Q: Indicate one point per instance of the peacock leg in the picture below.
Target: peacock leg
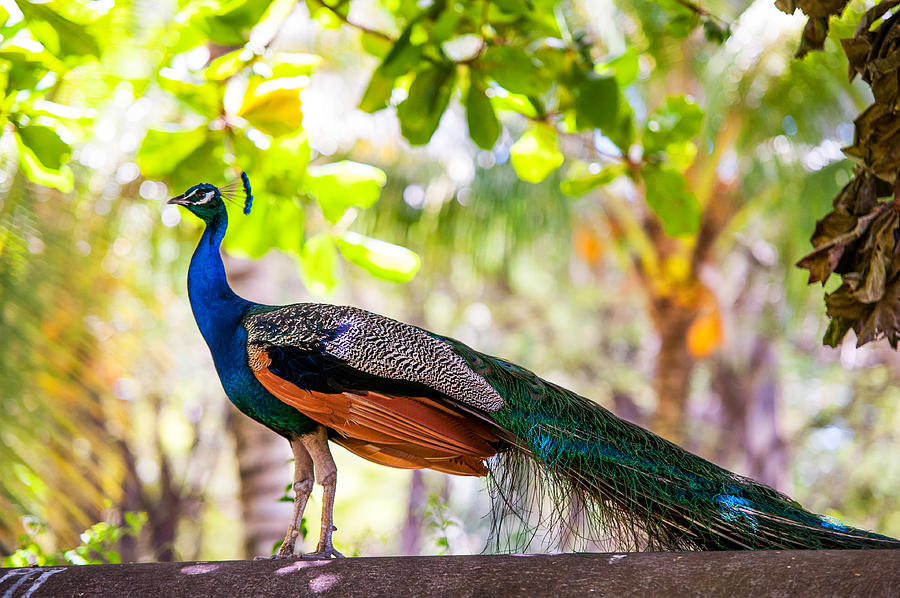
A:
(303, 484)
(326, 474)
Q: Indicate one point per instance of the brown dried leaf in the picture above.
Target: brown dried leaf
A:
(842, 304)
(824, 260)
(883, 319)
(877, 142)
(821, 9)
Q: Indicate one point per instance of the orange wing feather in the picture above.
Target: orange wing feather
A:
(398, 431)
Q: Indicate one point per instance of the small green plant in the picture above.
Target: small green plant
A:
(98, 544)
(289, 497)
(436, 516)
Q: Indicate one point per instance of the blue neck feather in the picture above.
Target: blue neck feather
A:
(216, 307)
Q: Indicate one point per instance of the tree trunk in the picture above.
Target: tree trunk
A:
(673, 366)
(263, 458)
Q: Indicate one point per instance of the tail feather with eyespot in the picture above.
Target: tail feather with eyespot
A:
(574, 466)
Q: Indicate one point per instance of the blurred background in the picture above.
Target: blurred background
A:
(612, 194)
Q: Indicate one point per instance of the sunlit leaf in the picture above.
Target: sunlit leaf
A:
(70, 38)
(484, 128)
(514, 70)
(377, 93)
(341, 185)
(536, 154)
(293, 64)
(402, 57)
(36, 170)
(275, 223)
(318, 264)
(46, 145)
(514, 102)
(162, 151)
(202, 98)
(380, 258)
(581, 178)
(420, 113)
(232, 24)
(670, 199)
(676, 121)
(225, 66)
(625, 67)
(273, 106)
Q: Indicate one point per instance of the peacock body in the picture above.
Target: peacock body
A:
(404, 397)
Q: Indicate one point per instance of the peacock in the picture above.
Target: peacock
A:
(402, 396)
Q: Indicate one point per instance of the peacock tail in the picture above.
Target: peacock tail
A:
(575, 466)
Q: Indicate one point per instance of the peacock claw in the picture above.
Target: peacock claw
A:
(322, 555)
(275, 557)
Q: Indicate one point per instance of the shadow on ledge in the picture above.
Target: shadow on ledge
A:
(766, 573)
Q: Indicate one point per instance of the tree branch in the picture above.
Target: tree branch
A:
(374, 32)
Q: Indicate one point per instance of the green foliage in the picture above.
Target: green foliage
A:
(670, 199)
(536, 154)
(98, 544)
(381, 259)
(484, 128)
(581, 177)
(341, 185)
(438, 520)
(597, 103)
(420, 113)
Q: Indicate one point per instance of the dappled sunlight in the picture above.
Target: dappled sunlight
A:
(612, 195)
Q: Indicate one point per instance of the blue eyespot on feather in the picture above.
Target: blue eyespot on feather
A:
(248, 202)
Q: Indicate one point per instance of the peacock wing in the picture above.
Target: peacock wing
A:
(396, 421)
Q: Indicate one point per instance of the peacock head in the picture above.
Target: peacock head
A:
(206, 201)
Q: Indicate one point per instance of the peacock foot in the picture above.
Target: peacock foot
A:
(323, 553)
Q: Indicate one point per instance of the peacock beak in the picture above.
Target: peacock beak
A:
(179, 200)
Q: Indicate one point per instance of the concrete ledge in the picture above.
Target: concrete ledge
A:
(818, 574)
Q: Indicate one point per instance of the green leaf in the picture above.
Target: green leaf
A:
(420, 113)
(28, 65)
(623, 133)
(162, 151)
(514, 70)
(402, 57)
(380, 258)
(225, 66)
(681, 155)
(341, 185)
(231, 25)
(318, 264)
(484, 128)
(668, 196)
(597, 103)
(375, 45)
(61, 35)
(676, 121)
(275, 223)
(582, 178)
(202, 98)
(536, 154)
(514, 102)
(625, 67)
(273, 106)
(514, 6)
(46, 145)
(294, 64)
(36, 170)
(377, 93)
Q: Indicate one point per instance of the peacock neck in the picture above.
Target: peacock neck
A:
(216, 307)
